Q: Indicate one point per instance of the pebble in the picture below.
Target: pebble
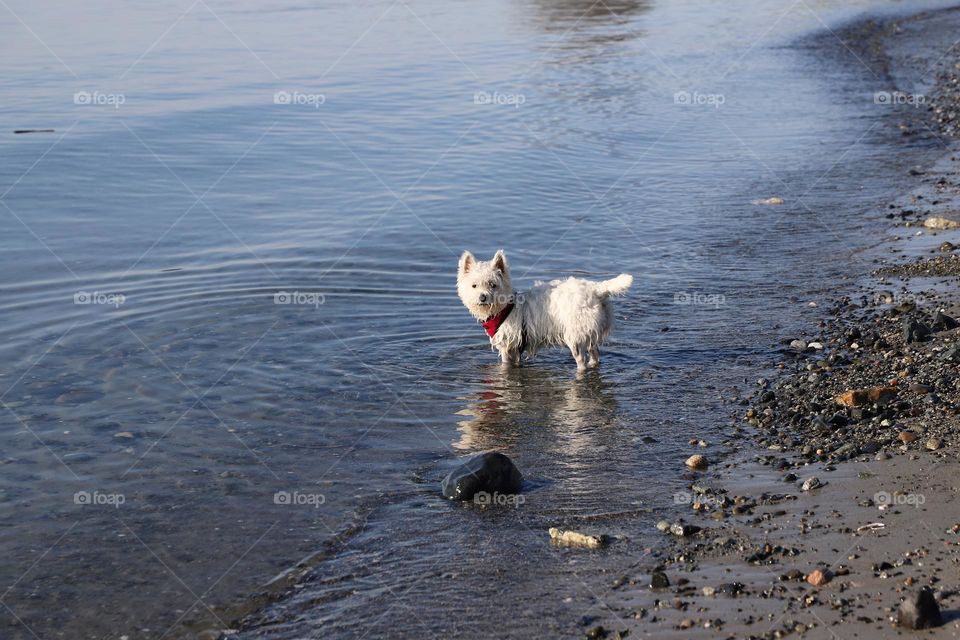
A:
(78, 457)
(859, 397)
(683, 530)
(811, 483)
(659, 580)
(906, 437)
(697, 462)
(920, 611)
(943, 322)
(819, 577)
(870, 447)
(846, 450)
(597, 632)
(939, 223)
(934, 443)
(730, 589)
(951, 354)
(914, 330)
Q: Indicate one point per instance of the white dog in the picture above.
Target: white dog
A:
(574, 313)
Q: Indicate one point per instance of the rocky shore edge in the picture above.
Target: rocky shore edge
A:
(844, 522)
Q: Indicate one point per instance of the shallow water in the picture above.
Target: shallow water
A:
(231, 338)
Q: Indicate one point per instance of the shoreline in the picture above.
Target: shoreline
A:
(771, 528)
(858, 486)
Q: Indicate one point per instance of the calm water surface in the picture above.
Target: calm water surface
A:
(230, 336)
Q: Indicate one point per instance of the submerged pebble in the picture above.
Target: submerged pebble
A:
(577, 539)
(697, 462)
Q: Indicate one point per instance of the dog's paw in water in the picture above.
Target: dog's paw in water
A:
(574, 313)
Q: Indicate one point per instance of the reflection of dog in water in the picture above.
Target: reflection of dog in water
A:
(574, 313)
(533, 408)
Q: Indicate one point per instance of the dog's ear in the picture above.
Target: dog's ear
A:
(500, 261)
(466, 261)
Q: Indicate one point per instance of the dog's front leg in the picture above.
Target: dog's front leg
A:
(510, 357)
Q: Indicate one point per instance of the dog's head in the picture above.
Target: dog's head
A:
(484, 287)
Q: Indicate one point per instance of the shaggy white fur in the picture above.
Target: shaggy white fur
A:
(574, 313)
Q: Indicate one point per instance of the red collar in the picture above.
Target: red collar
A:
(493, 323)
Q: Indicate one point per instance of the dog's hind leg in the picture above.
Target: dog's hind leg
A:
(578, 355)
(594, 356)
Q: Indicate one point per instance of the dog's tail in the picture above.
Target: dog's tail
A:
(615, 287)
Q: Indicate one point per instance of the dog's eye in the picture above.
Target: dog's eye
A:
(474, 286)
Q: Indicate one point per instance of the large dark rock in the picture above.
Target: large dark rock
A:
(489, 472)
(920, 611)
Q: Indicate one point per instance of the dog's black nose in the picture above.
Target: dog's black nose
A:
(483, 297)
